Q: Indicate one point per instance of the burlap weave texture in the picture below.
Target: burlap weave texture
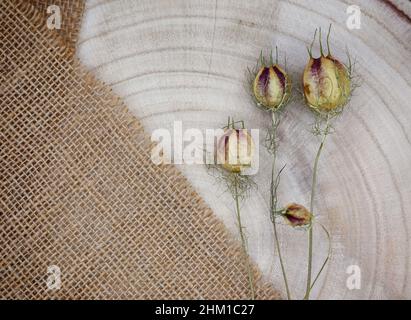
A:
(78, 189)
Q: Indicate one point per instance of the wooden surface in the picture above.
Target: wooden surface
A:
(186, 60)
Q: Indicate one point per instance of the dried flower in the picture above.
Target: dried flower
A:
(234, 153)
(235, 150)
(326, 82)
(297, 215)
(271, 87)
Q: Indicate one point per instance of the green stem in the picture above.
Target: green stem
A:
(310, 231)
(243, 239)
(326, 259)
(274, 204)
(281, 259)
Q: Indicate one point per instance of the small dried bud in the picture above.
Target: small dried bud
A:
(297, 215)
(272, 87)
(235, 150)
(327, 83)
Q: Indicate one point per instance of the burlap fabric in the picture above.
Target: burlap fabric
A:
(78, 189)
(71, 11)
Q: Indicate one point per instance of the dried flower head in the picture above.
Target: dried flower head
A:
(297, 215)
(235, 150)
(271, 85)
(234, 153)
(326, 81)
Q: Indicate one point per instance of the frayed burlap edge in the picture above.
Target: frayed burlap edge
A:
(72, 13)
(135, 131)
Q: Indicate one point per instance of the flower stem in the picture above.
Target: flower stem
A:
(310, 231)
(243, 239)
(274, 185)
(327, 258)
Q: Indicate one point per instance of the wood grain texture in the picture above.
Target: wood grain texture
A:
(186, 60)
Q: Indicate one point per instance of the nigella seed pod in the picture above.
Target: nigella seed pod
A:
(297, 215)
(271, 87)
(235, 150)
(326, 82)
